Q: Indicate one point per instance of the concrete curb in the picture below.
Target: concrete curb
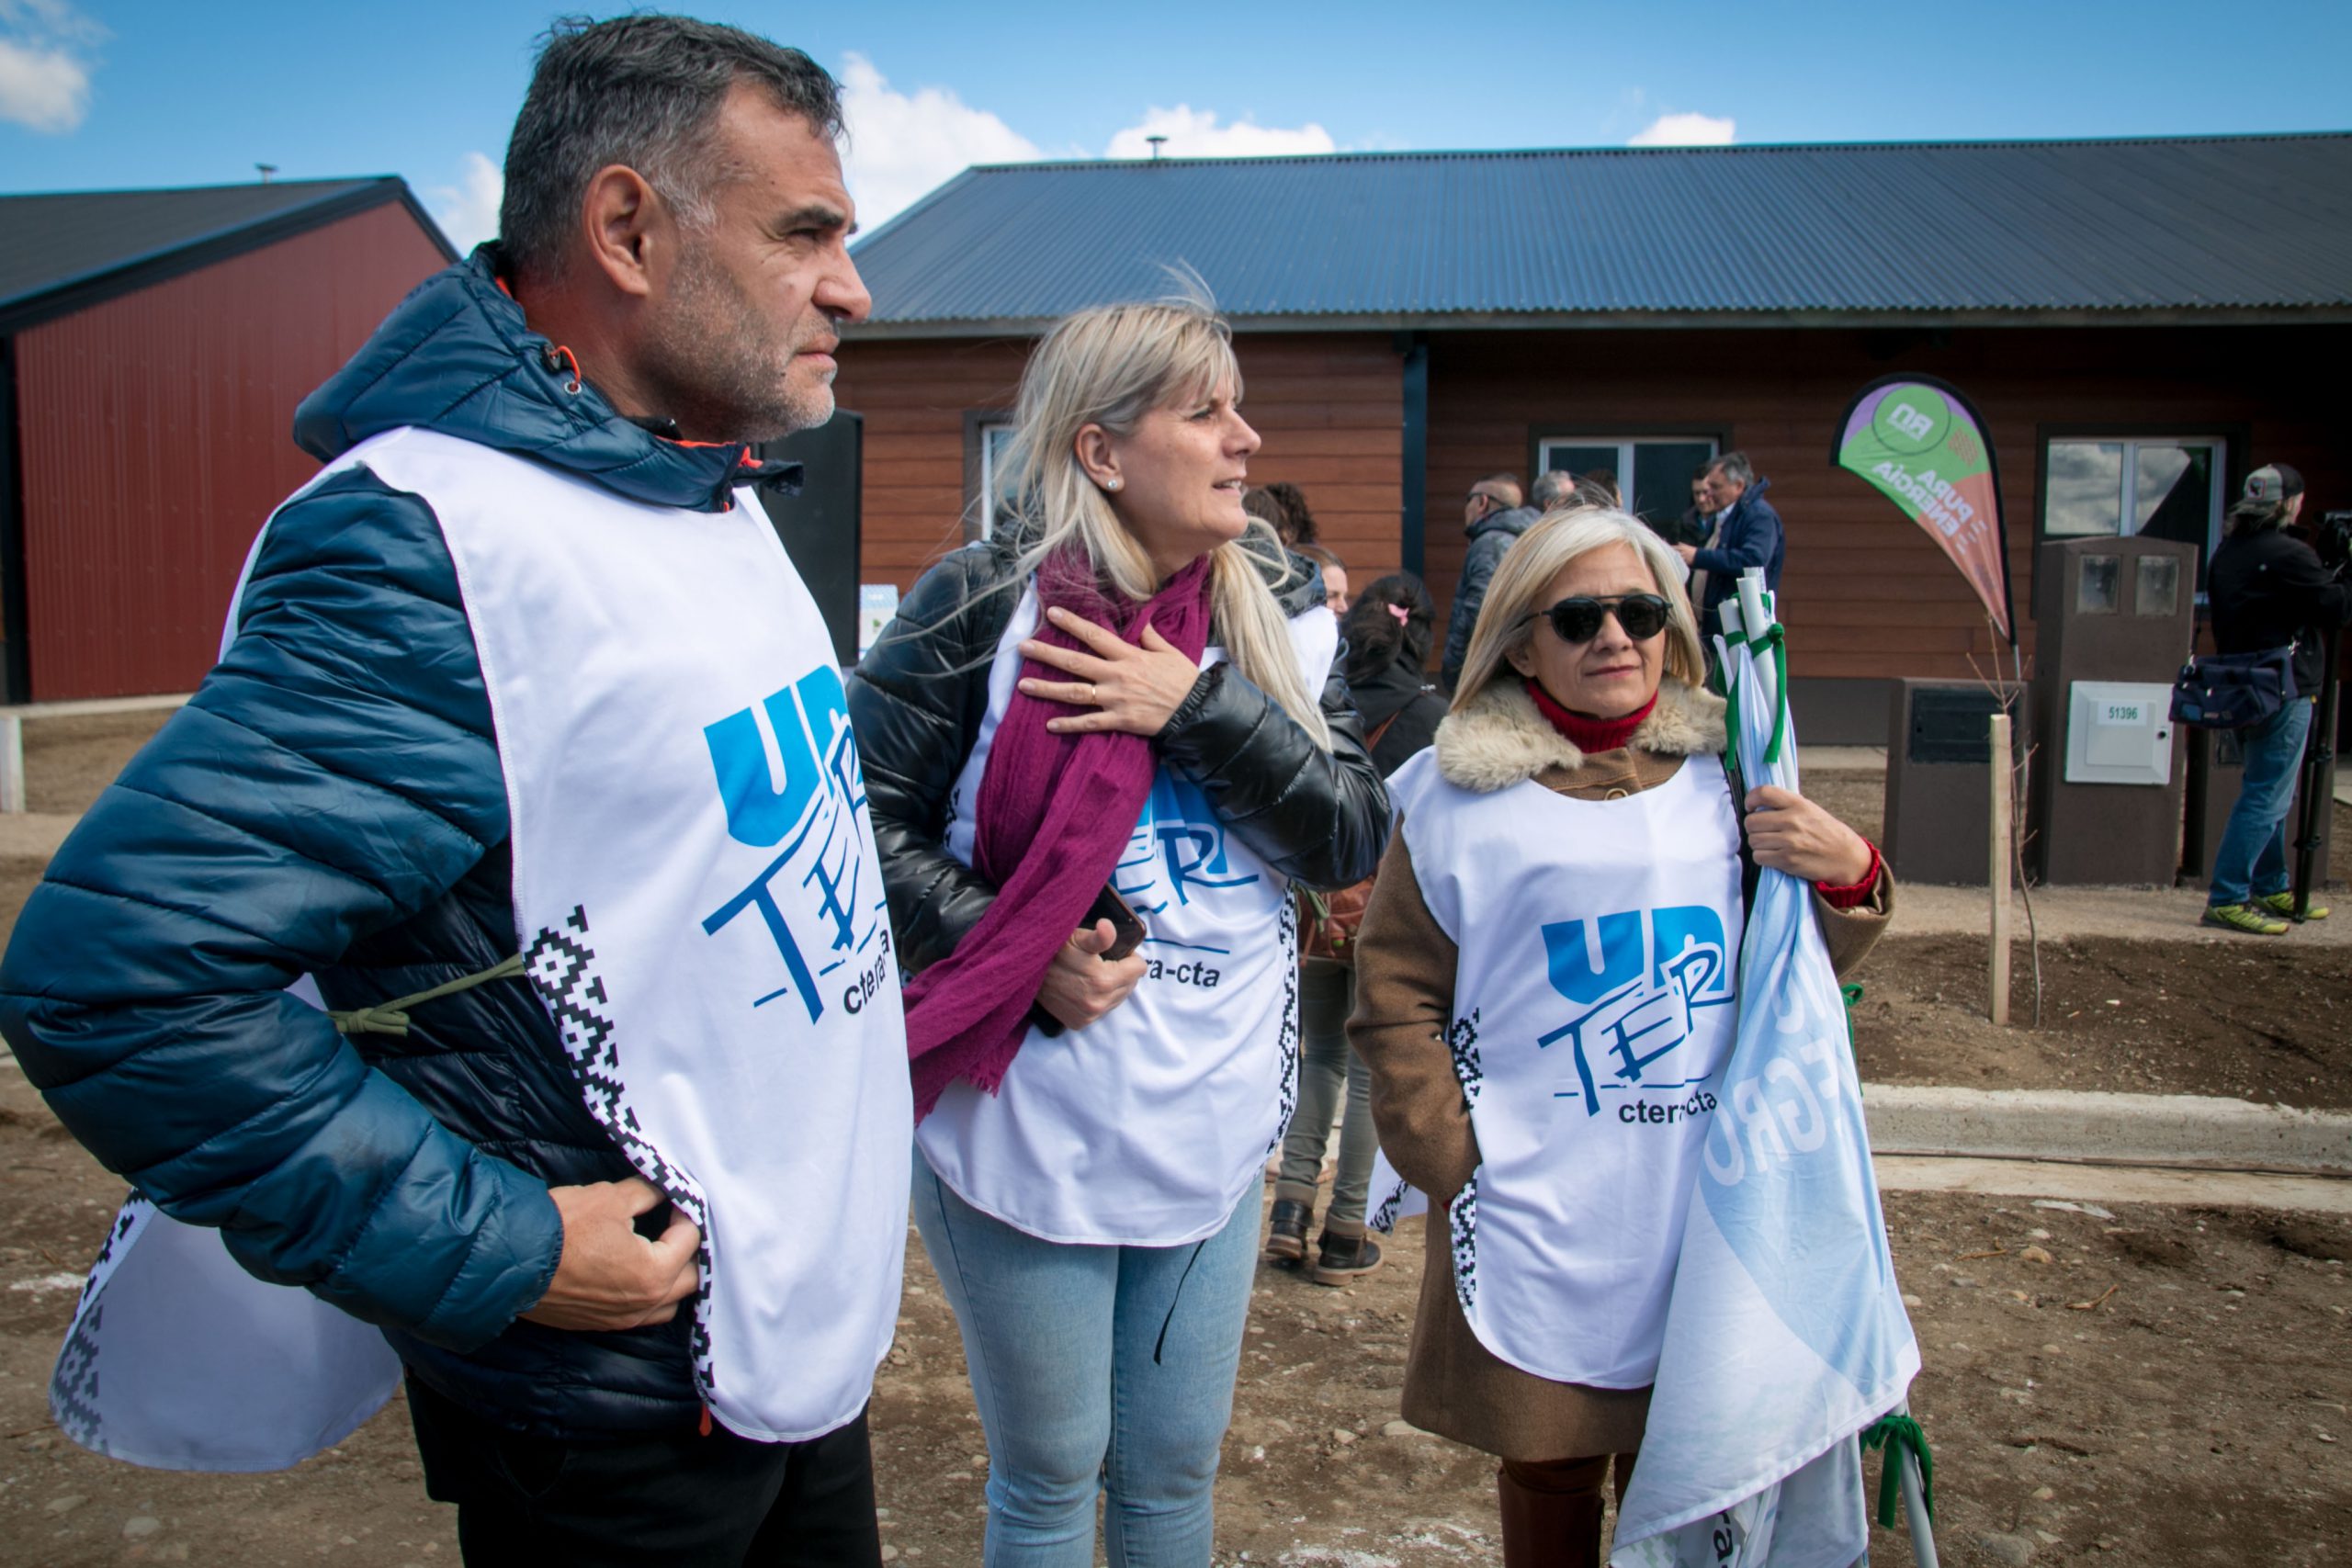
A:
(2124, 1129)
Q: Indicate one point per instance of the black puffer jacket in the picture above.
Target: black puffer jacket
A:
(916, 700)
(2269, 589)
(1401, 697)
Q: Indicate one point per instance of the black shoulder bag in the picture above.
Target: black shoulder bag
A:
(2232, 690)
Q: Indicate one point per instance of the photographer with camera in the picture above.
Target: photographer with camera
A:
(2268, 591)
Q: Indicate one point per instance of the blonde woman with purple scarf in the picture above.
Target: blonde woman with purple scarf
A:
(1109, 715)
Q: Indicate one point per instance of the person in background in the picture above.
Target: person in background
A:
(1298, 524)
(1493, 517)
(1574, 801)
(1129, 697)
(1695, 525)
(1599, 488)
(1388, 633)
(1551, 489)
(1742, 532)
(1335, 576)
(1267, 508)
(2268, 590)
(481, 672)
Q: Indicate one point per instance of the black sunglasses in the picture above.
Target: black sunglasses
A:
(1643, 615)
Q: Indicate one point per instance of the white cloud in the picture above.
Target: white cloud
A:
(1197, 134)
(468, 211)
(901, 145)
(1685, 130)
(44, 64)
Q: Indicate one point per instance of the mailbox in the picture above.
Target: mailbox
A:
(2113, 619)
(2118, 732)
(1939, 817)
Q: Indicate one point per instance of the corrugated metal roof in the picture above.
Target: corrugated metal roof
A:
(2213, 224)
(54, 242)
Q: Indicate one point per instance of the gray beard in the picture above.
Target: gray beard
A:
(720, 365)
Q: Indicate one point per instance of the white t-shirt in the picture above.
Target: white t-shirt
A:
(1145, 1128)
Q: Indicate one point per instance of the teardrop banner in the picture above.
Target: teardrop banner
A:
(1922, 443)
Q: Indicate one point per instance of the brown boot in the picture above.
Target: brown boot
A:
(1550, 1517)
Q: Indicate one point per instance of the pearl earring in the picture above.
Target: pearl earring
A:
(1113, 482)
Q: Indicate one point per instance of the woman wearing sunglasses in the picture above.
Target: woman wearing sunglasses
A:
(1544, 981)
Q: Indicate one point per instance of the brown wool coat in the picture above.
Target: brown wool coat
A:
(1405, 971)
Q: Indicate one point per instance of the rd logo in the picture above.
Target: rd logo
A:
(1637, 978)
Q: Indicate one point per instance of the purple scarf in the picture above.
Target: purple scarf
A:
(1056, 812)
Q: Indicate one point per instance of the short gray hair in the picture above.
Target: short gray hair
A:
(1734, 467)
(643, 91)
(1551, 488)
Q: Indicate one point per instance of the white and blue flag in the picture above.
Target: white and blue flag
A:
(1785, 1334)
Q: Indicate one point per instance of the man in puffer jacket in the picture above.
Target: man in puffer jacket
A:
(1493, 518)
(507, 677)
(1746, 532)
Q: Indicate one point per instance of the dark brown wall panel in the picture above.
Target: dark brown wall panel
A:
(1330, 408)
(1865, 593)
(156, 441)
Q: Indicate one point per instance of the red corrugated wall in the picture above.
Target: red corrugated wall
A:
(156, 433)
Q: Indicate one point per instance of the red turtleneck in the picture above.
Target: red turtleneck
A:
(1589, 734)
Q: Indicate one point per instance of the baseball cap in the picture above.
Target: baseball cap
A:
(2273, 482)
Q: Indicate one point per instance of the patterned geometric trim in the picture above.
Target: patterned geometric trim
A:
(561, 967)
(1382, 1217)
(73, 1386)
(1286, 932)
(1461, 1225)
(1463, 1041)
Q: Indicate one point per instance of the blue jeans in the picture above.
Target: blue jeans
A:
(1097, 1369)
(1326, 994)
(2252, 861)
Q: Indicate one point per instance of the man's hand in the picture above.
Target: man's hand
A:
(1080, 986)
(610, 1276)
(1690, 553)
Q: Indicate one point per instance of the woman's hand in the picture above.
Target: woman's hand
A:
(1790, 833)
(1135, 691)
(1080, 984)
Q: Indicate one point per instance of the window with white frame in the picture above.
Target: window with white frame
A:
(2164, 486)
(995, 437)
(1652, 472)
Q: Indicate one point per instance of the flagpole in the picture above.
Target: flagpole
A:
(1915, 1504)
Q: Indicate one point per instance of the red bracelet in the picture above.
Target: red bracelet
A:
(1857, 896)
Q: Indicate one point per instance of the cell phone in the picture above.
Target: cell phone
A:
(1126, 926)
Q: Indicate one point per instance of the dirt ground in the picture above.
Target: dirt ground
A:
(2158, 1385)
(2193, 1414)
(69, 760)
(2270, 1023)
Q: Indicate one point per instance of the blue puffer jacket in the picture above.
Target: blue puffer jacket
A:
(330, 802)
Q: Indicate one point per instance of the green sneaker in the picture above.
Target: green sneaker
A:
(2243, 918)
(2283, 904)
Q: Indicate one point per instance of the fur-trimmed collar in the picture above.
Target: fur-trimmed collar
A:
(1500, 738)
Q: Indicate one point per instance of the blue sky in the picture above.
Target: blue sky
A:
(125, 93)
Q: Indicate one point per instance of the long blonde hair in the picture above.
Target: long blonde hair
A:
(1520, 587)
(1110, 366)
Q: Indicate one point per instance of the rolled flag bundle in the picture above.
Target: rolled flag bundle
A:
(1785, 1336)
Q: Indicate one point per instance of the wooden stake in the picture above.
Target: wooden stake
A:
(12, 763)
(2002, 778)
